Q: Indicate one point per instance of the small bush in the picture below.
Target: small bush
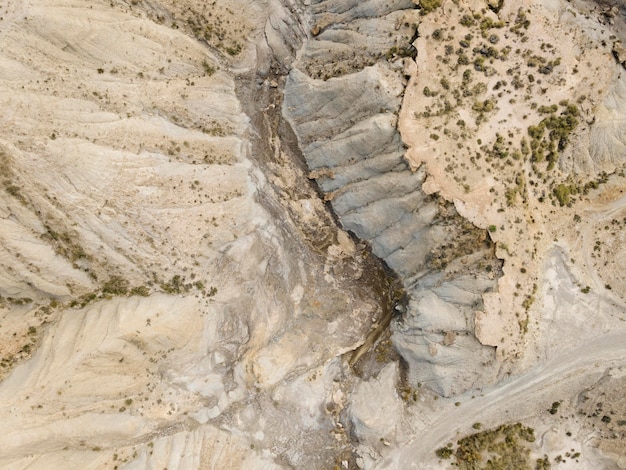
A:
(208, 68)
(234, 49)
(428, 92)
(116, 285)
(563, 193)
(142, 291)
(555, 407)
(463, 60)
(175, 285)
(444, 453)
(467, 21)
(429, 5)
(484, 106)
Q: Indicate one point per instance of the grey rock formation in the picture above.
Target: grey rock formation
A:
(352, 34)
(346, 127)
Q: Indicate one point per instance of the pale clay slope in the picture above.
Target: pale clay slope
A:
(144, 165)
(248, 377)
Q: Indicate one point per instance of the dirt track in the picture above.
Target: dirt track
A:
(516, 399)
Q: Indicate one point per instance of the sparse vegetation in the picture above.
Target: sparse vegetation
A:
(65, 244)
(14, 191)
(547, 147)
(219, 27)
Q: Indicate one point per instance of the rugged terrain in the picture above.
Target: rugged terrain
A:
(312, 235)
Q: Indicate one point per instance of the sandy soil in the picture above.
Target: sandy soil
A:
(452, 127)
(559, 310)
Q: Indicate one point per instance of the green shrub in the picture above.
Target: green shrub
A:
(467, 21)
(429, 5)
(175, 285)
(555, 407)
(563, 193)
(142, 291)
(116, 285)
(484, 106)
(543, 464)
(208, 68)
(234, 49)
(437, 34)
(444, 453)
(428, 92)
(548, 109)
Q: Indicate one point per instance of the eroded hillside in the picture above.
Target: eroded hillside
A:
(311, 234)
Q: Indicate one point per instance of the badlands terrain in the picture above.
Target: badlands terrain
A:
(316, 234)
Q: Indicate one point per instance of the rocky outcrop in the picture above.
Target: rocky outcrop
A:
(374, 422)
(346, 127)
(604, 149)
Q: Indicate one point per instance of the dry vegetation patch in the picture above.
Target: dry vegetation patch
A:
(502, 93)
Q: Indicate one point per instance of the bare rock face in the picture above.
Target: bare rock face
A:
(350, 35)
(346, 127)
(606, 146)
(375, 422)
